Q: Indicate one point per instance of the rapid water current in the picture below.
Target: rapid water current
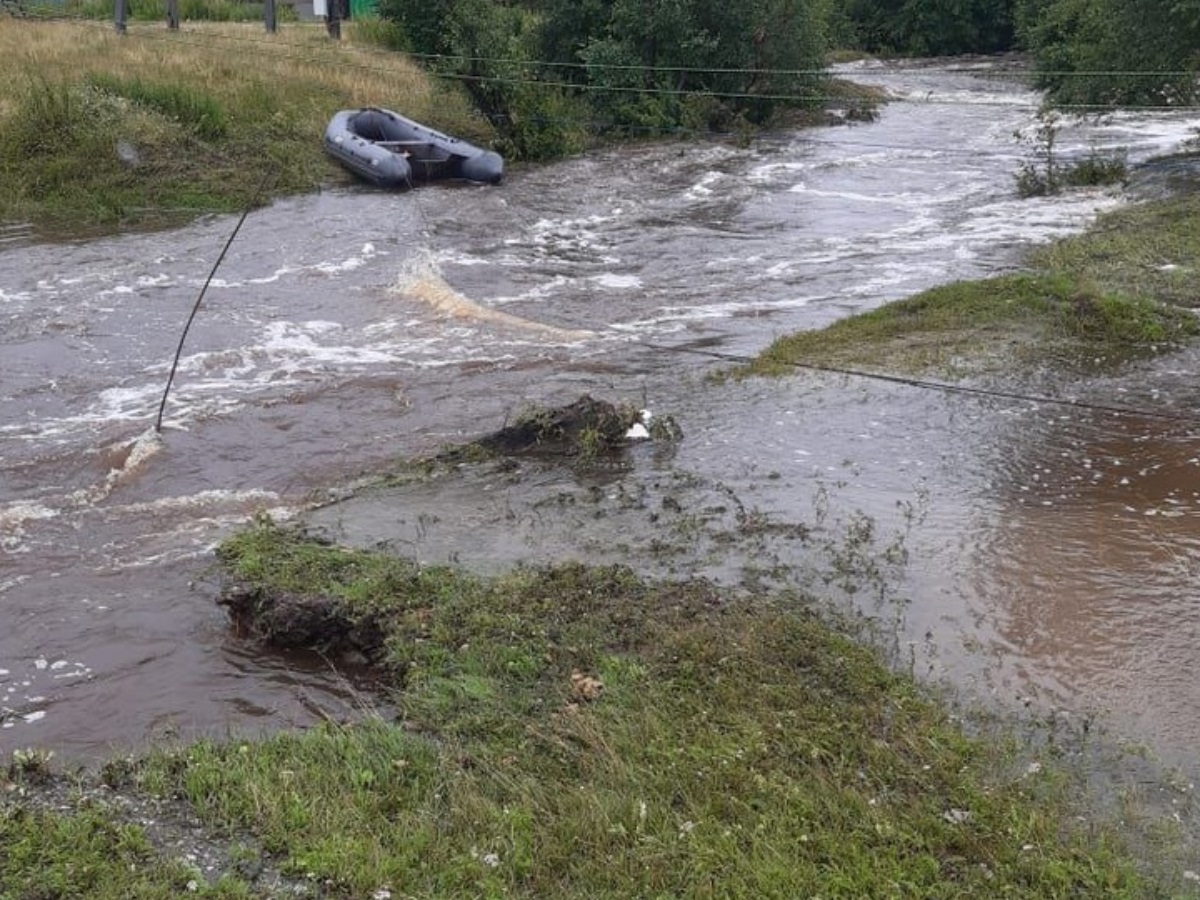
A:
(1054, 553)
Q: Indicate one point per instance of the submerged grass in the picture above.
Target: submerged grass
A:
(1119, 291)
(100, 128)
(969, 327)
(579, 732)
(1148, 250)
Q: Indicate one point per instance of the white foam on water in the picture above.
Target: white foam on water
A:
(553, 238)
(7, 584)
(617, 282)
(704, 188)
(15, 518)
(1006, 99)
(27, 696)
(198, 501)
(1037, 220)
(550, 288)
(680, 315)
(769, 173)
(349, 264)
(295, 343)
(903, 200)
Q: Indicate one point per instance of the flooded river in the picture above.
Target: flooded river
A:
(1052, 552)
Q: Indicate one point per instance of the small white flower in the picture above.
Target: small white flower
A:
(957, 816)
(686, 828)
(193, 885)
(491, 860)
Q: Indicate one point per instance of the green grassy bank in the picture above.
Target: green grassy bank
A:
(1124, 289)
(99, 129)
(574, 732)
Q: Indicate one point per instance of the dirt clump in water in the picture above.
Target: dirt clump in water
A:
(291, 620)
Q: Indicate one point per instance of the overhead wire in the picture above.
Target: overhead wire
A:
(901, 71)
(942, 386)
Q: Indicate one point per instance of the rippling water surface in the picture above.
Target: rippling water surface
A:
(1054, 552)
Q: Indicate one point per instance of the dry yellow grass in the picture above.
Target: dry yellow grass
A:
(77, 99)
(312, 74)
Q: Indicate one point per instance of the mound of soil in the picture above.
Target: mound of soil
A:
(300, 622)
(586, 424)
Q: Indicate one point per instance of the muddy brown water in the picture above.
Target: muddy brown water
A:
(1052, 551)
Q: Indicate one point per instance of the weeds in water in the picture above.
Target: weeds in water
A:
(1047, 174)
(30, 764)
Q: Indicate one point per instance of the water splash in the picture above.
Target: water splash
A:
(128, 458)
(423, 281)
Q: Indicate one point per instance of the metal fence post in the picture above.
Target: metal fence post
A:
(173, 15)
(269, 18)
(120, 11)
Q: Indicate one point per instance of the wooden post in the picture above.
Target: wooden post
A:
(333, 19)
(173, 15)
(120, 10)
(269, 18)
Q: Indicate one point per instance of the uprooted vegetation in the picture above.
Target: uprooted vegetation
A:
(583, 433)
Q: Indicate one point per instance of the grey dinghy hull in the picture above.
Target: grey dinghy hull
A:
(390, 151)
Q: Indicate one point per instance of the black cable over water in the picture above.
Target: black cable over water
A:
(200, 298)
(945, 387)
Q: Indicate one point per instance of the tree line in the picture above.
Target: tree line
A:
(1091, 53)
(550, 72)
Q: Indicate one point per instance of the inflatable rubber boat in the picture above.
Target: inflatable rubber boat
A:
(391, 151)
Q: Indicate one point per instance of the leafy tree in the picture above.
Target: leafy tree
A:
(661, 63)
(632, 64)
(488, 46)
(931, 27)
(1106, 53)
